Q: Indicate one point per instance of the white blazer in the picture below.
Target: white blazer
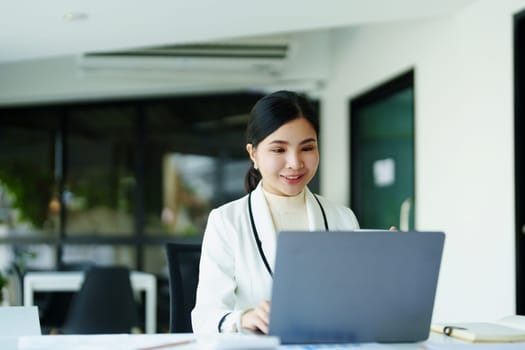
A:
(232, 275)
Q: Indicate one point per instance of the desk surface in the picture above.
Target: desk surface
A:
(142, 341)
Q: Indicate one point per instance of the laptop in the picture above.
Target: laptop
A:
(19, 321)
(356, 286)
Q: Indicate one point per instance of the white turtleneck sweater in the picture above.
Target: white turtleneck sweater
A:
(288, 213)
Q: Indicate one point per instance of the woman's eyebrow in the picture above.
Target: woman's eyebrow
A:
(282, 142)
(311, 139)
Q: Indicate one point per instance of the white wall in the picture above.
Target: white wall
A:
(464, 141)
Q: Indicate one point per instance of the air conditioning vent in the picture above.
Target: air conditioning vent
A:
(202, 50)
(215, 57)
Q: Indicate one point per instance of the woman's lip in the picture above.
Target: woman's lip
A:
(292, 178)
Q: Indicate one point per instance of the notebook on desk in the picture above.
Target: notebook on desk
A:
(340, 287)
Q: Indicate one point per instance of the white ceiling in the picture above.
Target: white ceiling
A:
(38, 29)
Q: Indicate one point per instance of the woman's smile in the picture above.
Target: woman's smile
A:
(292, 179)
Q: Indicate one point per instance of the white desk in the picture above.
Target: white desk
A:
(64, 281)
(141, 341)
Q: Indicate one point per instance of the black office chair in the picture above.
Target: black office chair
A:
(104, 304)
(183, 266)
(53, 306)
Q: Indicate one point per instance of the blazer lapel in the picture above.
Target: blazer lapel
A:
(315, 215)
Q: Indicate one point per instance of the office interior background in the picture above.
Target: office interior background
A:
(107, 148)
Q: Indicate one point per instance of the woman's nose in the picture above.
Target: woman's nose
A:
(294, 162)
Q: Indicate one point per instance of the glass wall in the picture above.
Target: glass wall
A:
(186, 154)
(100, 184)
(82, 256)
(28, 184)
(103, 181)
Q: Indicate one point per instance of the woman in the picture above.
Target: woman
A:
(239, 243)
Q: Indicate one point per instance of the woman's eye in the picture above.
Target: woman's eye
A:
(277, 150)
(308, 148)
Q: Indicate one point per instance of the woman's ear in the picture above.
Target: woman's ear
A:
(251, 151)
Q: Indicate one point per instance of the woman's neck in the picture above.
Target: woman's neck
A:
(288, 212)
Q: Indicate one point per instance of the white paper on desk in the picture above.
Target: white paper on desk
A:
(236, 341)
(72, 342)
(102, 342)
(476, 346)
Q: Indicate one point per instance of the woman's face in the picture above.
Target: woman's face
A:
(288, 158)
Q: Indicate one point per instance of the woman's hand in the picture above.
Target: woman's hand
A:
(392, 228)
(258, 318)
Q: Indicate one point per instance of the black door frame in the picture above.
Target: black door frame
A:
(519, 154)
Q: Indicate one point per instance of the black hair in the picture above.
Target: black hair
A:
(269, 114)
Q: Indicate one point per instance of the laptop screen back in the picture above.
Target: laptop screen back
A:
(340, 287)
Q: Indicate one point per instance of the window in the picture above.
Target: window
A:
(100, 184)
(28, 186)
(112, 178)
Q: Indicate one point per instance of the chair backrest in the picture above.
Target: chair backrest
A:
(104, 304)
(183, 266)
(53, 306)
